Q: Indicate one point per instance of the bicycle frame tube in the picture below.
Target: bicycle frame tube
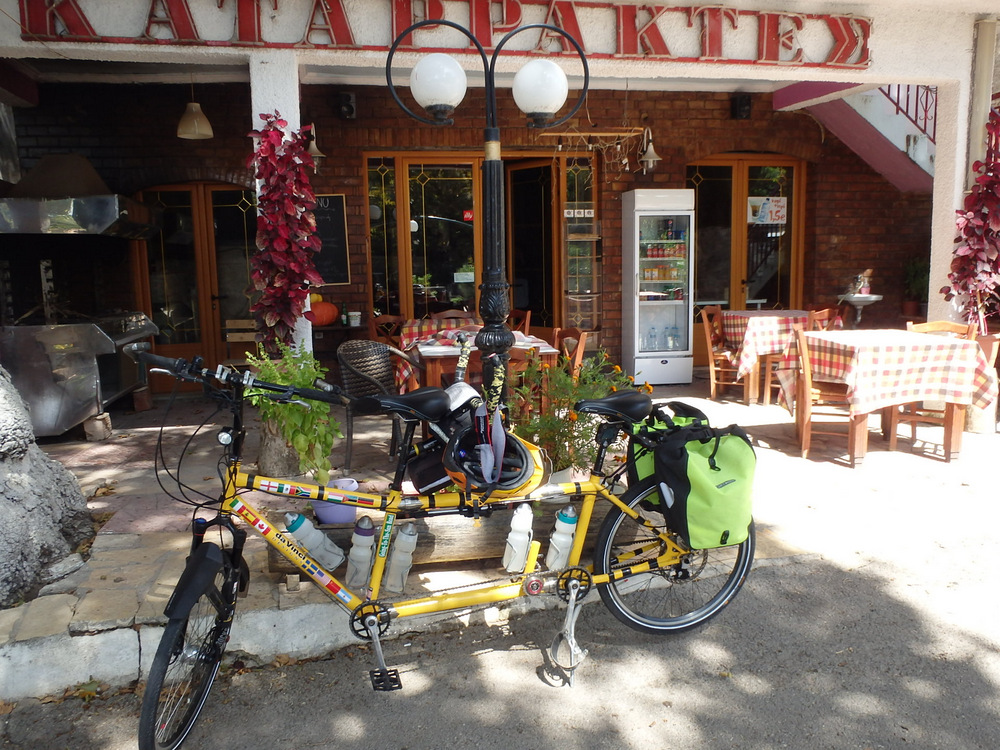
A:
(488, 593)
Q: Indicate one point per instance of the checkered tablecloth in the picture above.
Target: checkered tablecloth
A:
(427, 331)
(886, 367)
(754, 333)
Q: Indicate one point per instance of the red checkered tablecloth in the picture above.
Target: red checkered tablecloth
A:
(425, 331)
(886, 367)
(755, 333)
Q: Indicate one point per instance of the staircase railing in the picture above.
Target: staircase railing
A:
(917, 103)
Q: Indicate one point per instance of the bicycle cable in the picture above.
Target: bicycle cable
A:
(161, 465)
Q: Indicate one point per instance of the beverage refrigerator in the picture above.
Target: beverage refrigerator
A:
(657, 268)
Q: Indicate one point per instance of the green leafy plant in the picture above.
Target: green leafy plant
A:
(915, 275)
(311, 431)
(283, 267)
(975, 266)
(541, 407)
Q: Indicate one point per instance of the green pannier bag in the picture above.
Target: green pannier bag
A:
(706, 478)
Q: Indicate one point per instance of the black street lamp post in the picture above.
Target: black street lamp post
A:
(540, 89)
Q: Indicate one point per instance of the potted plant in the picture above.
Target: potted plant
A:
(294, 439)
(282, 268)
(975, 266)
(916, 275)
(541, 407)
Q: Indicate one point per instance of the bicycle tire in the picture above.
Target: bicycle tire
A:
(670, 599)
(186, 664)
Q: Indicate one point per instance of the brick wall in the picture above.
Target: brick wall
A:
(855, 219)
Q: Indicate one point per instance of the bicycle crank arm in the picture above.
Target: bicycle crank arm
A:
(567, 636)
(383, 679)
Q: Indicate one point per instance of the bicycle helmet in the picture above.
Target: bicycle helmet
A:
(525, 467)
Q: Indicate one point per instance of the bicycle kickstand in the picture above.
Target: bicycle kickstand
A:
(383, 679)
(567, 635)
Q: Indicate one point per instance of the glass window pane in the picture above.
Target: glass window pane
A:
(713, 187)
(234, 218)
(769, 236)
(442, 238)
(173, 280)
(382, 222)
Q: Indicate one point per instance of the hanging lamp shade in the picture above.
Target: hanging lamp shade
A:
(649, 156)
(313, 149)
(194, 125)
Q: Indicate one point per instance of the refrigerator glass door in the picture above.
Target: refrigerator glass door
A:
(663, 283)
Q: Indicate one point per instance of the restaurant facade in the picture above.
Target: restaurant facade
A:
(739, 101)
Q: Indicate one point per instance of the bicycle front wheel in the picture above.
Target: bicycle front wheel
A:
(672, 598)
(185, 665)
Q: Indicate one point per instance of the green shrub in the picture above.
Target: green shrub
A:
(311, 431)
(566, 436)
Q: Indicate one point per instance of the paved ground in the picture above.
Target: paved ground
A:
(871, 621)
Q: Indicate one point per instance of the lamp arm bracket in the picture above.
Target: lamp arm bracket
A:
(491, 116)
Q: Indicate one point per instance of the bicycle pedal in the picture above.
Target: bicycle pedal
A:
(385, 679)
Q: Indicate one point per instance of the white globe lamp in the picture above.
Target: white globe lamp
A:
(540, 90)
(438, 84)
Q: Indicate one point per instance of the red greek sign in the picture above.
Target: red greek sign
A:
(705, 33)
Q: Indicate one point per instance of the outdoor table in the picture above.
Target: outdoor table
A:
(753, 334)
(889, 367)
(440, 359)
(427, 331)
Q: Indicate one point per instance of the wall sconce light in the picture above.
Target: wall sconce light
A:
(313, 149)
(194, 125)
(649, 156)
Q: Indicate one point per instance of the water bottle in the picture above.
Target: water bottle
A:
(400, 559)
(674, 338)
(318, 544)
(666, 342)
(651, 339)
(362, 554)
(561, 539)
(515, 554)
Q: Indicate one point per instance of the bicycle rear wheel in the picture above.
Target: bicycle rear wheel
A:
(670, 599)
(185, 665)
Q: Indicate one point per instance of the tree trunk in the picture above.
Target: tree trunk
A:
(276, 458)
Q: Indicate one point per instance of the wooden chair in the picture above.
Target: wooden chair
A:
(241, 337)
(367, 368)
(520, 320)
(722, 370)
(823, 320)
(916, 413)
(454, 315)
(831, 398)
(385, 328)
(819, 320)
(572, 344)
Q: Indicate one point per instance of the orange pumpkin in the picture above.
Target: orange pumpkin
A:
(323, 313)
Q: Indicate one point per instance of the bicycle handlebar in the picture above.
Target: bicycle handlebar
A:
(181, 368)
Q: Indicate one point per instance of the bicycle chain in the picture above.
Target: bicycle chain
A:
(381, 606)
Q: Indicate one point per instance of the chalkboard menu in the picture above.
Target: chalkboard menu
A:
(331, 224)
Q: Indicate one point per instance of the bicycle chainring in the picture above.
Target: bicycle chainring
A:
(581, 575)
(358, 616)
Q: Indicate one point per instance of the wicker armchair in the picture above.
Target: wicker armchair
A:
(368, 368)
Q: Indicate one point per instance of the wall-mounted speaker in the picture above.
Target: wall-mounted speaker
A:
(739, 107)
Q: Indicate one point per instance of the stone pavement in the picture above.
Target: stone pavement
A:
(103, 620)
